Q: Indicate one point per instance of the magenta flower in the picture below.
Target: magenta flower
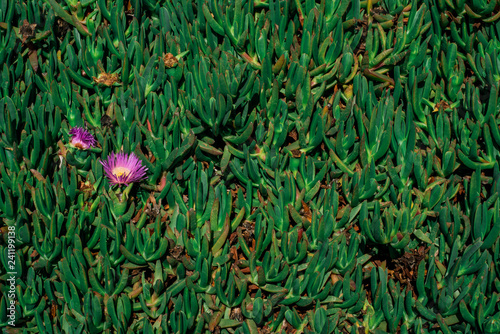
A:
(124, 169)
(82, 139)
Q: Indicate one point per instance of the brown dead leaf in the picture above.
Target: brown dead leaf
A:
(84, 186)
(63, 149)
(162, 184)
(296, 153)
(169, 60)
(106, 79)
(137, 217)
(307, 211)
(37, 175)
(53, 309)
(236, 314)
(441, 104)
(33, 60)
(27, 30)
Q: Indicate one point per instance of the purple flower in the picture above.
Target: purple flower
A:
(82, 139)
(124, 169)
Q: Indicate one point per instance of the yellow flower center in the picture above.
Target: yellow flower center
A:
(119, 171)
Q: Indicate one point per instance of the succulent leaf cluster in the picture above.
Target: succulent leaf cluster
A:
(313, 166)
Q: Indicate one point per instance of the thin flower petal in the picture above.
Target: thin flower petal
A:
(124, 169)
(82, 138)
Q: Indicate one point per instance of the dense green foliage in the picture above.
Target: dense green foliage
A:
(313, 166)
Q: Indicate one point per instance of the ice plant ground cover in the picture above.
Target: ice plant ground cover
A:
(249, 166)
